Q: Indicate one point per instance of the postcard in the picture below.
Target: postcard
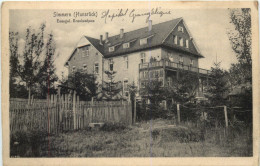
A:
(130, 83)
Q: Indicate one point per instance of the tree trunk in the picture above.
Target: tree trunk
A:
(29, 95)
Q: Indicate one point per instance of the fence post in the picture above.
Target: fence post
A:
(92, 105)
(178, 113)
(226, 117)
(134, 110)
(74, 109)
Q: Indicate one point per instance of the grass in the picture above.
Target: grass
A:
(140, 141)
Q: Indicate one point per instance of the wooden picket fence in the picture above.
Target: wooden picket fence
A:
(65, 113)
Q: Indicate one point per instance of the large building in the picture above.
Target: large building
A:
(161, 49)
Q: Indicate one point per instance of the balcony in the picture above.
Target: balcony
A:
(172, 66)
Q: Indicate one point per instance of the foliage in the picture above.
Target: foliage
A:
(241, 41)
(27, 69)
(113, 127)
(153, 94)
(217, 86)
(27, 143)
(84, 84)
(47, 76)
(240, 74)
(184, 88)
(111, 88)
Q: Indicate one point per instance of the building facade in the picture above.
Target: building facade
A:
(156, 51)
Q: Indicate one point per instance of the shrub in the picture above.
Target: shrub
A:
(113, 127)
(26, 143)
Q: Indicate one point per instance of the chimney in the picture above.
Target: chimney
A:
(150, 25)
(121, 33)
(106, 39)
(101, 40)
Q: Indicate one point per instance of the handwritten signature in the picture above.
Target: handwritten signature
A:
(132, 14)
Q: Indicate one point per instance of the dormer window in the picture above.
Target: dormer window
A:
(143, 41)
(111, 49)
(187, 43)
(126, 45)
(180, 29)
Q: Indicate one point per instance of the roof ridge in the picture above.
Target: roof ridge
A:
(146, 27)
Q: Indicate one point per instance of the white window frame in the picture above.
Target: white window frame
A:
(96, 68)
(187, 43)
(111, 49)
(142, 57)
(126, 45)
(126, 62)
(180, 29)
(181, 41)
(175, 39)
(143, 41)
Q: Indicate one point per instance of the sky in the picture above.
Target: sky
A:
(208, 28)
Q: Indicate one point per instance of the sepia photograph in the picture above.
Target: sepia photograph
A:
(126, 82)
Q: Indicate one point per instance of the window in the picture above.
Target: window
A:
(111, 64)
(191, 62)
(126, 92)
(126, 62)
(181, 60)
(143, 41)
(142, 57)
(180, 28)
(111, 49)
(171, 57)
(96, 68)
(85, 67)
(85, 51)
(181, 41)
(187, 43)
(96, 53)
(175, 39)
(126, 45)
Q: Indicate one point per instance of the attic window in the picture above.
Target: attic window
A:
(180, 29)
(85, 51)
(143, 41)
(111, 49)
(126, 45)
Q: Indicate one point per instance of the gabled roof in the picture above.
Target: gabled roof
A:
(159, 34)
